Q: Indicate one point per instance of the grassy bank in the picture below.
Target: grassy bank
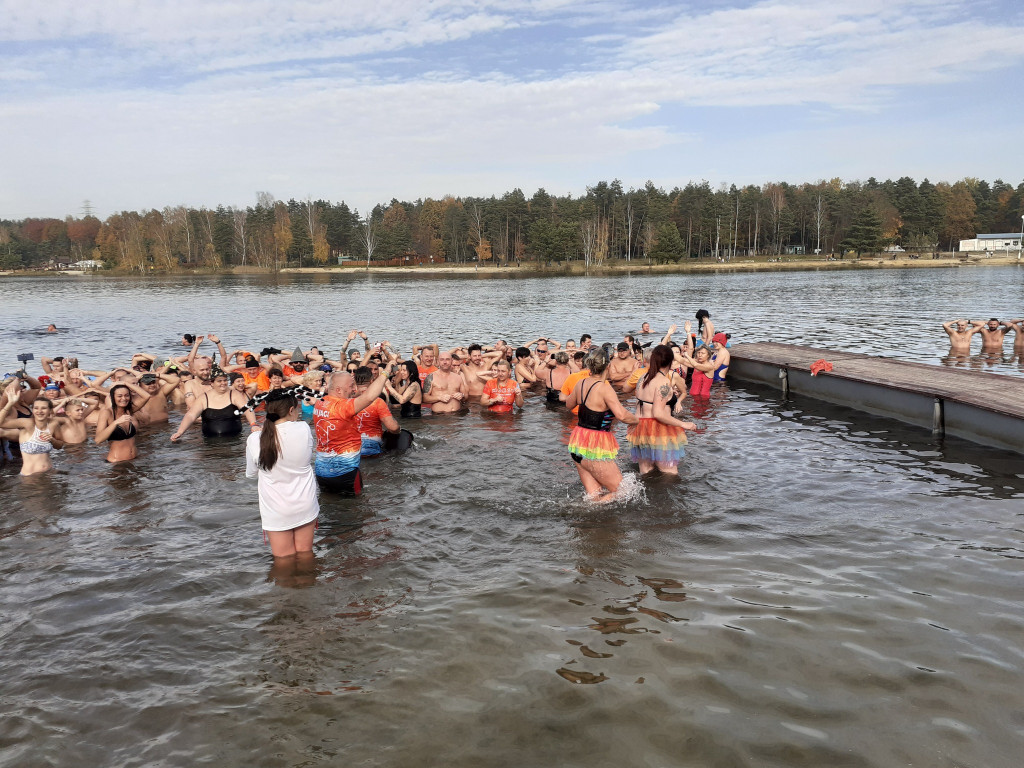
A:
(618, 267)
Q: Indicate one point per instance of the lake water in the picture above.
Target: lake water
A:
(819, 588)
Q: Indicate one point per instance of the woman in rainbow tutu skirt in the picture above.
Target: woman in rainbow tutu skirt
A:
(658, 438)
(592, 445)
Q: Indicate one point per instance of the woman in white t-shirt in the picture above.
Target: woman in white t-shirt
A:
(281, 455)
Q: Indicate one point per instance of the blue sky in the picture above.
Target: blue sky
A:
(137, 105)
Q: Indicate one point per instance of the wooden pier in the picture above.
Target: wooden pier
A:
(986, 408)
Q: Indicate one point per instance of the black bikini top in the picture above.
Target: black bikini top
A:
(599, 420)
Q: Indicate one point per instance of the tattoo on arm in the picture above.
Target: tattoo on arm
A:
(427, 382)
(664, 391)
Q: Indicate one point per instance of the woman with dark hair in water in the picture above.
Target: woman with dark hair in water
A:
(281, 457)
(658, 439)
(219, 409)
(119, 424)
(407, 389)
(705, 328)
(592, 445)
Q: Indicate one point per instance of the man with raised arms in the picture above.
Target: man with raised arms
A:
(621, 366)
(1017, 326)
(159, 387)
(992, 334)
(201, 366)
(354, 355)
(444, 390)
(960, 334)
(425, 356)
(478, 363)
(339, 442)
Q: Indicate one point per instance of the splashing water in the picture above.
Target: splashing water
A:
(631, 490)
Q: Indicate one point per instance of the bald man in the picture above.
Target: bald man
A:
(444, 390)
(338, 439)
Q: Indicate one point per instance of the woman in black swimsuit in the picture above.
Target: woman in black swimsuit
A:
(407, 390)
(592, 445)
(118, 424)
(556, 378)
(219, 409)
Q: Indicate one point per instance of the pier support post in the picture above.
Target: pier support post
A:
(784, 375)
(938, 418)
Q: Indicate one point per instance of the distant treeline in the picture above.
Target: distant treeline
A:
(609, 222)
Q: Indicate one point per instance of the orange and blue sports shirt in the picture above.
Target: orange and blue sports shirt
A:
(338, 440)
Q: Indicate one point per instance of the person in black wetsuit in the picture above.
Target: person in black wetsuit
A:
(592, 445)
(220, 410)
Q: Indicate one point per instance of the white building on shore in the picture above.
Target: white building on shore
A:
(1004, 242)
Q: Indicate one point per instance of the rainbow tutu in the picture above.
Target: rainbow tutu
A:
(650, 440)
(593, 444)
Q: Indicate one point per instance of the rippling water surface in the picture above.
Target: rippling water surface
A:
(819, 588)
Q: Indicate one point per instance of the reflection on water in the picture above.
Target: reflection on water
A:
(818, 587)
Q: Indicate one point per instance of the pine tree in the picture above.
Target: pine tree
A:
(865, 233)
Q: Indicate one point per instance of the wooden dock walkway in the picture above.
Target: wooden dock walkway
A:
(984, 407)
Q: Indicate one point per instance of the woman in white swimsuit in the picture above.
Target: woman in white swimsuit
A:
(35, 434)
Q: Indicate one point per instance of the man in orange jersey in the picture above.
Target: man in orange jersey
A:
(338, 440)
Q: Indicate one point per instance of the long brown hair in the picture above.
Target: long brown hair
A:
(270, 445)
(113, 405)
(661, 356)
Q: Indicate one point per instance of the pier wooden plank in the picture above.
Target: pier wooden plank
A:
(990, 391)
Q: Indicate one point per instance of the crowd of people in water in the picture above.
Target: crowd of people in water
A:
(312, 418)
(352, 402)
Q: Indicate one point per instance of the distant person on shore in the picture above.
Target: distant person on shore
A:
(960, 333)
(992, 334)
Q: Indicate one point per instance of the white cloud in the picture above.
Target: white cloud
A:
(239, 96)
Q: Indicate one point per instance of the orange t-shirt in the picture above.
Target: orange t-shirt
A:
(425, 371)
(335, 426)
(570, 384)
(507, 392)
(258, 377)
(368, 420)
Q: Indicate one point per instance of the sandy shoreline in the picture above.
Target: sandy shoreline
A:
(534, 269)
